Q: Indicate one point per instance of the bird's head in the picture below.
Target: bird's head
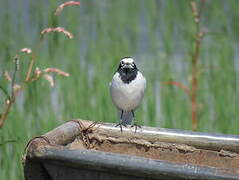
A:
(127, 64)
(127, 69)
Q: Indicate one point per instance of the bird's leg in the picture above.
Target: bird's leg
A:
(120, 124)
(133, 114)
(135, 122)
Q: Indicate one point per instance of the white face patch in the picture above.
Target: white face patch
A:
(127, 61)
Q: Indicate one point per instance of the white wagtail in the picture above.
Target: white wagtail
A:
(127, 91)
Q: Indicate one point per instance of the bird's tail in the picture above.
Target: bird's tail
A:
(127, 117)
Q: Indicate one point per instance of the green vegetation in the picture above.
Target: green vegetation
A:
(159, 34)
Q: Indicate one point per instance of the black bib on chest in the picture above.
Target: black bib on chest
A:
(127, 74)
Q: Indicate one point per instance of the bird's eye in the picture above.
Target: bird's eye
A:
(121, 63)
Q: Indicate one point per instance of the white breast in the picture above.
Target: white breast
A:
(127, 97)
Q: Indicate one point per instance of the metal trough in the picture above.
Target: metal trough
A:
(79, 149)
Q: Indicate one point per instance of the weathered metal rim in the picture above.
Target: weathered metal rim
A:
(201, 140)
(48, 151)
(131, 165)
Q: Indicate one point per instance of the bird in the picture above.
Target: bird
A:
(127, 91)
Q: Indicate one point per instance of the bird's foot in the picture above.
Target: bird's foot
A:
(120, 125)
(136, 126)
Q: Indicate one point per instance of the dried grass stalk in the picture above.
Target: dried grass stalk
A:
(62, 6)
(180, 85)
(57, 29)
(58, 71)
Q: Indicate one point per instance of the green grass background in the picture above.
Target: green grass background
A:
(158, 34)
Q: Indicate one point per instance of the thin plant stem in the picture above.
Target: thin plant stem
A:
(33, 58)
(30, 68)
(5, 113)
(11, 99)
(5, 92)
(16, 62)
(195, 61)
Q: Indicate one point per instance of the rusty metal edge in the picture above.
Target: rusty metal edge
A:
(67, 132)
(128, 165)
(41, 148)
